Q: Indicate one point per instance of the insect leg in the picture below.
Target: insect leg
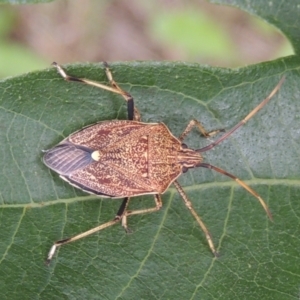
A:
(122, 210)
(188, 204)
(133, 113)
(114, 88)
(158, 206)
(241, 183)
(246, 119)
(121, 215)
(200, 127)
(117, 218)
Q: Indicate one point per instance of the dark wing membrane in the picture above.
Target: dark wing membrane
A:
(65, 158)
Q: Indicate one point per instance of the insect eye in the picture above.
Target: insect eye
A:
(184, 169)
(184, 146)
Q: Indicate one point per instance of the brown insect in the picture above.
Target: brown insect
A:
(124, 159)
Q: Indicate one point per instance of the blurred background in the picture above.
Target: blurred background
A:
(67, 31)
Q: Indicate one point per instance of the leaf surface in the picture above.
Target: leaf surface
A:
(167, 255)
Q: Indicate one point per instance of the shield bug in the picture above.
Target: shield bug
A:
(124, 159)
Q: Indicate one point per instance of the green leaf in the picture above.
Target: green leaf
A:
(166, 256)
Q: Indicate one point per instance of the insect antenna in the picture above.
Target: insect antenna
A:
(227, 134)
